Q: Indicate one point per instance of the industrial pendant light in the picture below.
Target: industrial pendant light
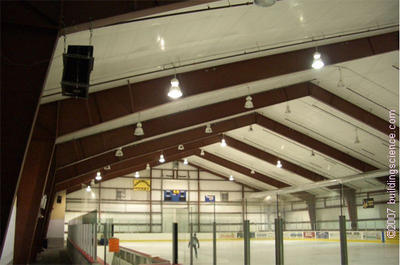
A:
(317, 62)
(252, 172)
(147, 166)
(249, 103)
(185, 161)
(139, 129)
(208, 128)
(137, 175)
(175, 91)
(264, 3)
(223, 142)
(202, 152)
(88, 188)
(231, 178)
(98, 176)
(162, 159)
(278, 164)
(119, 152)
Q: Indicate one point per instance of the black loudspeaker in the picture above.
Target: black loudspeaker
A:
(59, 199)
(78, 63)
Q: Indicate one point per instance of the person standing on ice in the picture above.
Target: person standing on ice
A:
(195, 242)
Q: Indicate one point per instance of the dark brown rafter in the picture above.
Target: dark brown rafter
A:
(241, 169)
(312, 143)
(272, 159)
(165, 124)
(213, 78)
(159, 144)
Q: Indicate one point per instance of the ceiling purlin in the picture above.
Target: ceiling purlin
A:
(206, 80)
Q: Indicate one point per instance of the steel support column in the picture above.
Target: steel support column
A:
(312, 213)
(246, 239)
(343, 240)
(350, 197)
(279, 241)
(33, 181)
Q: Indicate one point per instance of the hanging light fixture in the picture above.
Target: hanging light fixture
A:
(88, 188)
(312, 153)
(137, 175)
(223, 142)
(357, 140)
(108, 167)
(162, 159)
(208, 128)
(139, 129)
(250, 128)
(317, 62)
(278, 164)
(119, 152)
(252, 172)
(231, 178)
(340, 83)
(185, 161)
(147, 166)
(288, 111)
(249, 103)
(175, 91)
(98, 176)
(181, 147)
(202, 152)
(264, 3)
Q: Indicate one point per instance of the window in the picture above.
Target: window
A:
(224, 196)
(120, 194)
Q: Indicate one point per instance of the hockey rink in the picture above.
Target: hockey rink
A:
(263, 252)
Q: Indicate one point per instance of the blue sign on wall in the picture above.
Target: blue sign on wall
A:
(209, 198)
(175, 195)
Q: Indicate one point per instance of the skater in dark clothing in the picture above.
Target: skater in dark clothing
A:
(195, 242)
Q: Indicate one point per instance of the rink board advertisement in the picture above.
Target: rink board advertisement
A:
(322, 235)
(309, 234)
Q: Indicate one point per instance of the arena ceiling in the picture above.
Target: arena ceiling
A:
(221, 52)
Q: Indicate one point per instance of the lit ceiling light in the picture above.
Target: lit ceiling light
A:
(250, 128)
(98, 176)
(340, 82)
(175, 91)
(88, 188)
(317, 62)
(137, 175)
(202, 152)
(139, 130)
(231, 178)
(162, 159)
(278, 164)
(181, 147)
(208, 128)
(107, 167)
(252, 172)
(119, 152)
(185, 161)
(288, 111)
(357, 140)
(249, 103)
(223, 142)
(147, 166)
(264, 3)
